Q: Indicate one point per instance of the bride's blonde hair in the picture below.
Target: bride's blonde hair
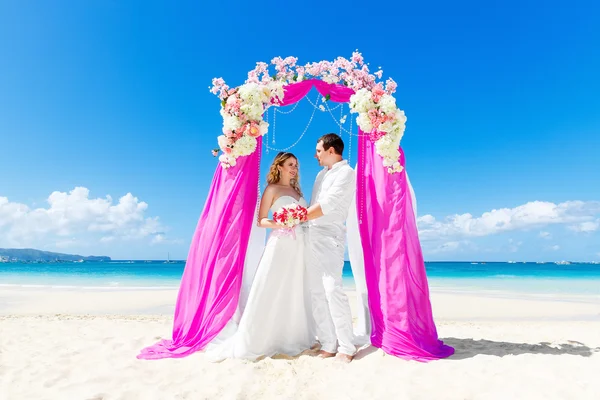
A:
(274, 175)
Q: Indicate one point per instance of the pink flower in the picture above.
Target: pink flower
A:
(375, 135)
(300, 71)
(253, 129)
(252, 77)
(390, 86)
(215, 152)
(240, 131)
(219, 87)
(376, 92)
(357, 58)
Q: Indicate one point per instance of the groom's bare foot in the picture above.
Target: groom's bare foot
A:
(345, 358)
(325, 354)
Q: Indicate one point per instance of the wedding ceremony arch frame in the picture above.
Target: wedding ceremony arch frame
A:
(398, 293)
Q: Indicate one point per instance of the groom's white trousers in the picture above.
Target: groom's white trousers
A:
(331, 309)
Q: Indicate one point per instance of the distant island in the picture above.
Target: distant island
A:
(32, 255)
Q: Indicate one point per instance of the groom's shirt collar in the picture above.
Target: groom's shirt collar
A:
(338, 164)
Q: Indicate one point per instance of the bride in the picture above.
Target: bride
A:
(277, 317)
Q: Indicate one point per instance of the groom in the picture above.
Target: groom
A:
(332, 195)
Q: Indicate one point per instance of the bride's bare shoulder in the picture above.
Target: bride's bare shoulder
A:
(271, 190)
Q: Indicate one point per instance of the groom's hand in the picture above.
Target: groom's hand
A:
(314, 212)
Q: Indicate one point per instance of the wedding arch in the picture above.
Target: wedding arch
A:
(213, 280)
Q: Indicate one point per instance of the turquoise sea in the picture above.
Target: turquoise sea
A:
(491, 277)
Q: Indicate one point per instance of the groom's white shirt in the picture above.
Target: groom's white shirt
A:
(334, 189)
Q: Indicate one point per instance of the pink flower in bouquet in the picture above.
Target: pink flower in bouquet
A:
(215, 152)
(290, 216)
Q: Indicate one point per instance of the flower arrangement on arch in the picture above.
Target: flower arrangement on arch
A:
(242, 107)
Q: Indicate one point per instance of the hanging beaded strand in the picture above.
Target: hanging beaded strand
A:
(301, 135)
(274, 127)
(258, 186)
(362, 144)
(350, 144)
(266, 133)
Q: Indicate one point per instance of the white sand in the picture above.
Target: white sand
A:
(82, 345)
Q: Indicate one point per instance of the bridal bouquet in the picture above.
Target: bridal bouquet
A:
(291, 215)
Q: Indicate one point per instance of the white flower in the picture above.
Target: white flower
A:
(264, 127)
(227, 161)
(330, 78)
(244, 146)
(321, 107)
(386, 126)
(253, 110)
(276, 88)
(222, 140)
(250, 92)
(231, 122)
(387, 104)
(364, 122)
(265, 94)
(361, 101)
(400, 116)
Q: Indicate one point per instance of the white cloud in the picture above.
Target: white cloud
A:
(555, 247)
(73, 215)
(545, 235)
(457, 246)
(161, 238)
(528, 216)
(513, 246)
(586, 227)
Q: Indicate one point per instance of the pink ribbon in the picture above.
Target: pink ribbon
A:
(291, 232)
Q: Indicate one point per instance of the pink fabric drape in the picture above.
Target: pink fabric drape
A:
(401, 318)
(296, 91)
(211, 282)
(395, 272)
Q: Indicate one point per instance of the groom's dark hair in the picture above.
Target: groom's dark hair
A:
(332, 140)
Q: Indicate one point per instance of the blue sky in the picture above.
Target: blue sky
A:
(502, 105)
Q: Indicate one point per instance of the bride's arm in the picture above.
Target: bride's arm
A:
(263, 212)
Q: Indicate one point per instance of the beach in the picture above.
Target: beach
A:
(82, 344)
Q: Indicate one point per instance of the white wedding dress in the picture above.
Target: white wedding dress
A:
(277, 318)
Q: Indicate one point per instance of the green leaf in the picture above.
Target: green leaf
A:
(327, 97)
(223, 103)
